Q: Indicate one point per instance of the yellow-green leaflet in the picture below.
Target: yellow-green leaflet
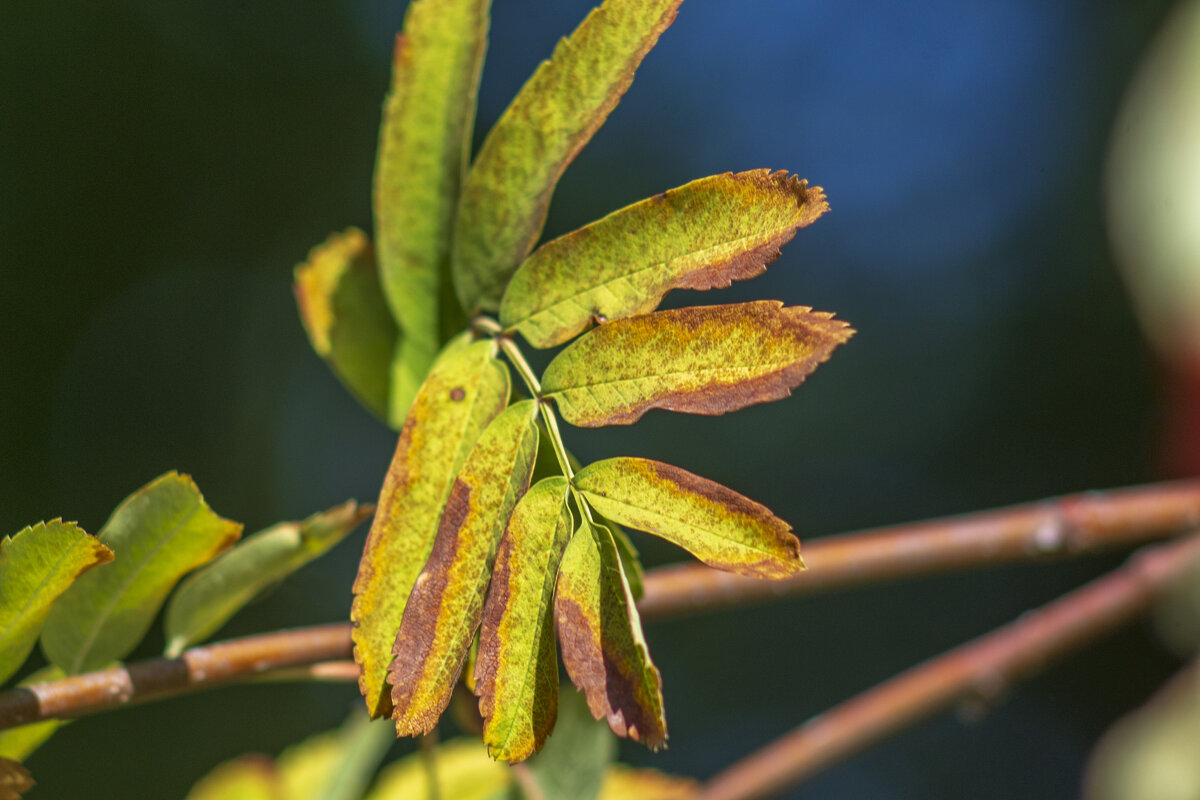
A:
(626, 783)
(698, 360)
(423, 147)
(516, 674)
(715, 524)
(465, 390)
(208, 598)
(159, 533)
(507, 191)
(19, 743)
(463, 769)
(250, 777)
(335, 765)
(36, 566)
(446, 602)
(702, 235)
(348, 323)
(603, 647)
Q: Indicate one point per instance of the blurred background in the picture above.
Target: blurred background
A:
(163, 166)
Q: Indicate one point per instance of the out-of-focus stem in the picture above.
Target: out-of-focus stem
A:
(981, 669)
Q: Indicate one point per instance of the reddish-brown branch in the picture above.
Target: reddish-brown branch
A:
(1060, 527)
(979, 670)
(198, 668)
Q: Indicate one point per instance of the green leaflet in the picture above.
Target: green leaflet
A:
(702, 235)
(36, 566)
(626, 783)
(423, 148)
(465, 390)
(463, 769)
(159, 533)
(348, 323)
(601, 637)
(546, 466)
(336, 765)
(412, 362)
(444, 609)
(573, 764)
(244, 778)
(507, 191)
(715, 524)
(516, 674)
(699, 360)
(19, 743)
(207, 599)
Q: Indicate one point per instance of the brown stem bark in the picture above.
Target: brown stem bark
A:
(1055, 528)
(1063, 526)
(980, 670)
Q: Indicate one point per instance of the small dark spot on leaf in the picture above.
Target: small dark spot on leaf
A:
(457, 394)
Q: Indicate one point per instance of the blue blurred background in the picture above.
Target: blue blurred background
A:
(164, 165)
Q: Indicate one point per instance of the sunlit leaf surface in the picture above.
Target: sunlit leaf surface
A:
(516, 674)
(423, 147)
(507, 191)
(36, 566)
(699, 360)
(702, 235)
(444, 609)
(466, 389)
(715, 524)
(342, 306)
(207, 599)
(603, 647)
(159, 534)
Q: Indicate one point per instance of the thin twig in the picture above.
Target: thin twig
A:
(980, 670)
(198, 668)
(1062, 527)
(1055, 528)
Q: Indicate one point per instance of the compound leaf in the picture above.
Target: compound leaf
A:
(36, 566)
(208, 598)
(423, 148)
(699, 360)
(715, 524)
(465, 390)
(516, 674)
(603, 647)
(702, 235)
(159, 533)
(342, 306)
(444, 609)
(507, 191)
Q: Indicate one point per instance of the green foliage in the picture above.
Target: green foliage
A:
(456, 553)
(36, 566)
(209, 597)
(159, 533)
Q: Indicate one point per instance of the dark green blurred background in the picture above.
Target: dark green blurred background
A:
(163, 165)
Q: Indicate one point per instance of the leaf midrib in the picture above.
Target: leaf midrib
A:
(531, 663)
(765, 367)
(627, 276)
